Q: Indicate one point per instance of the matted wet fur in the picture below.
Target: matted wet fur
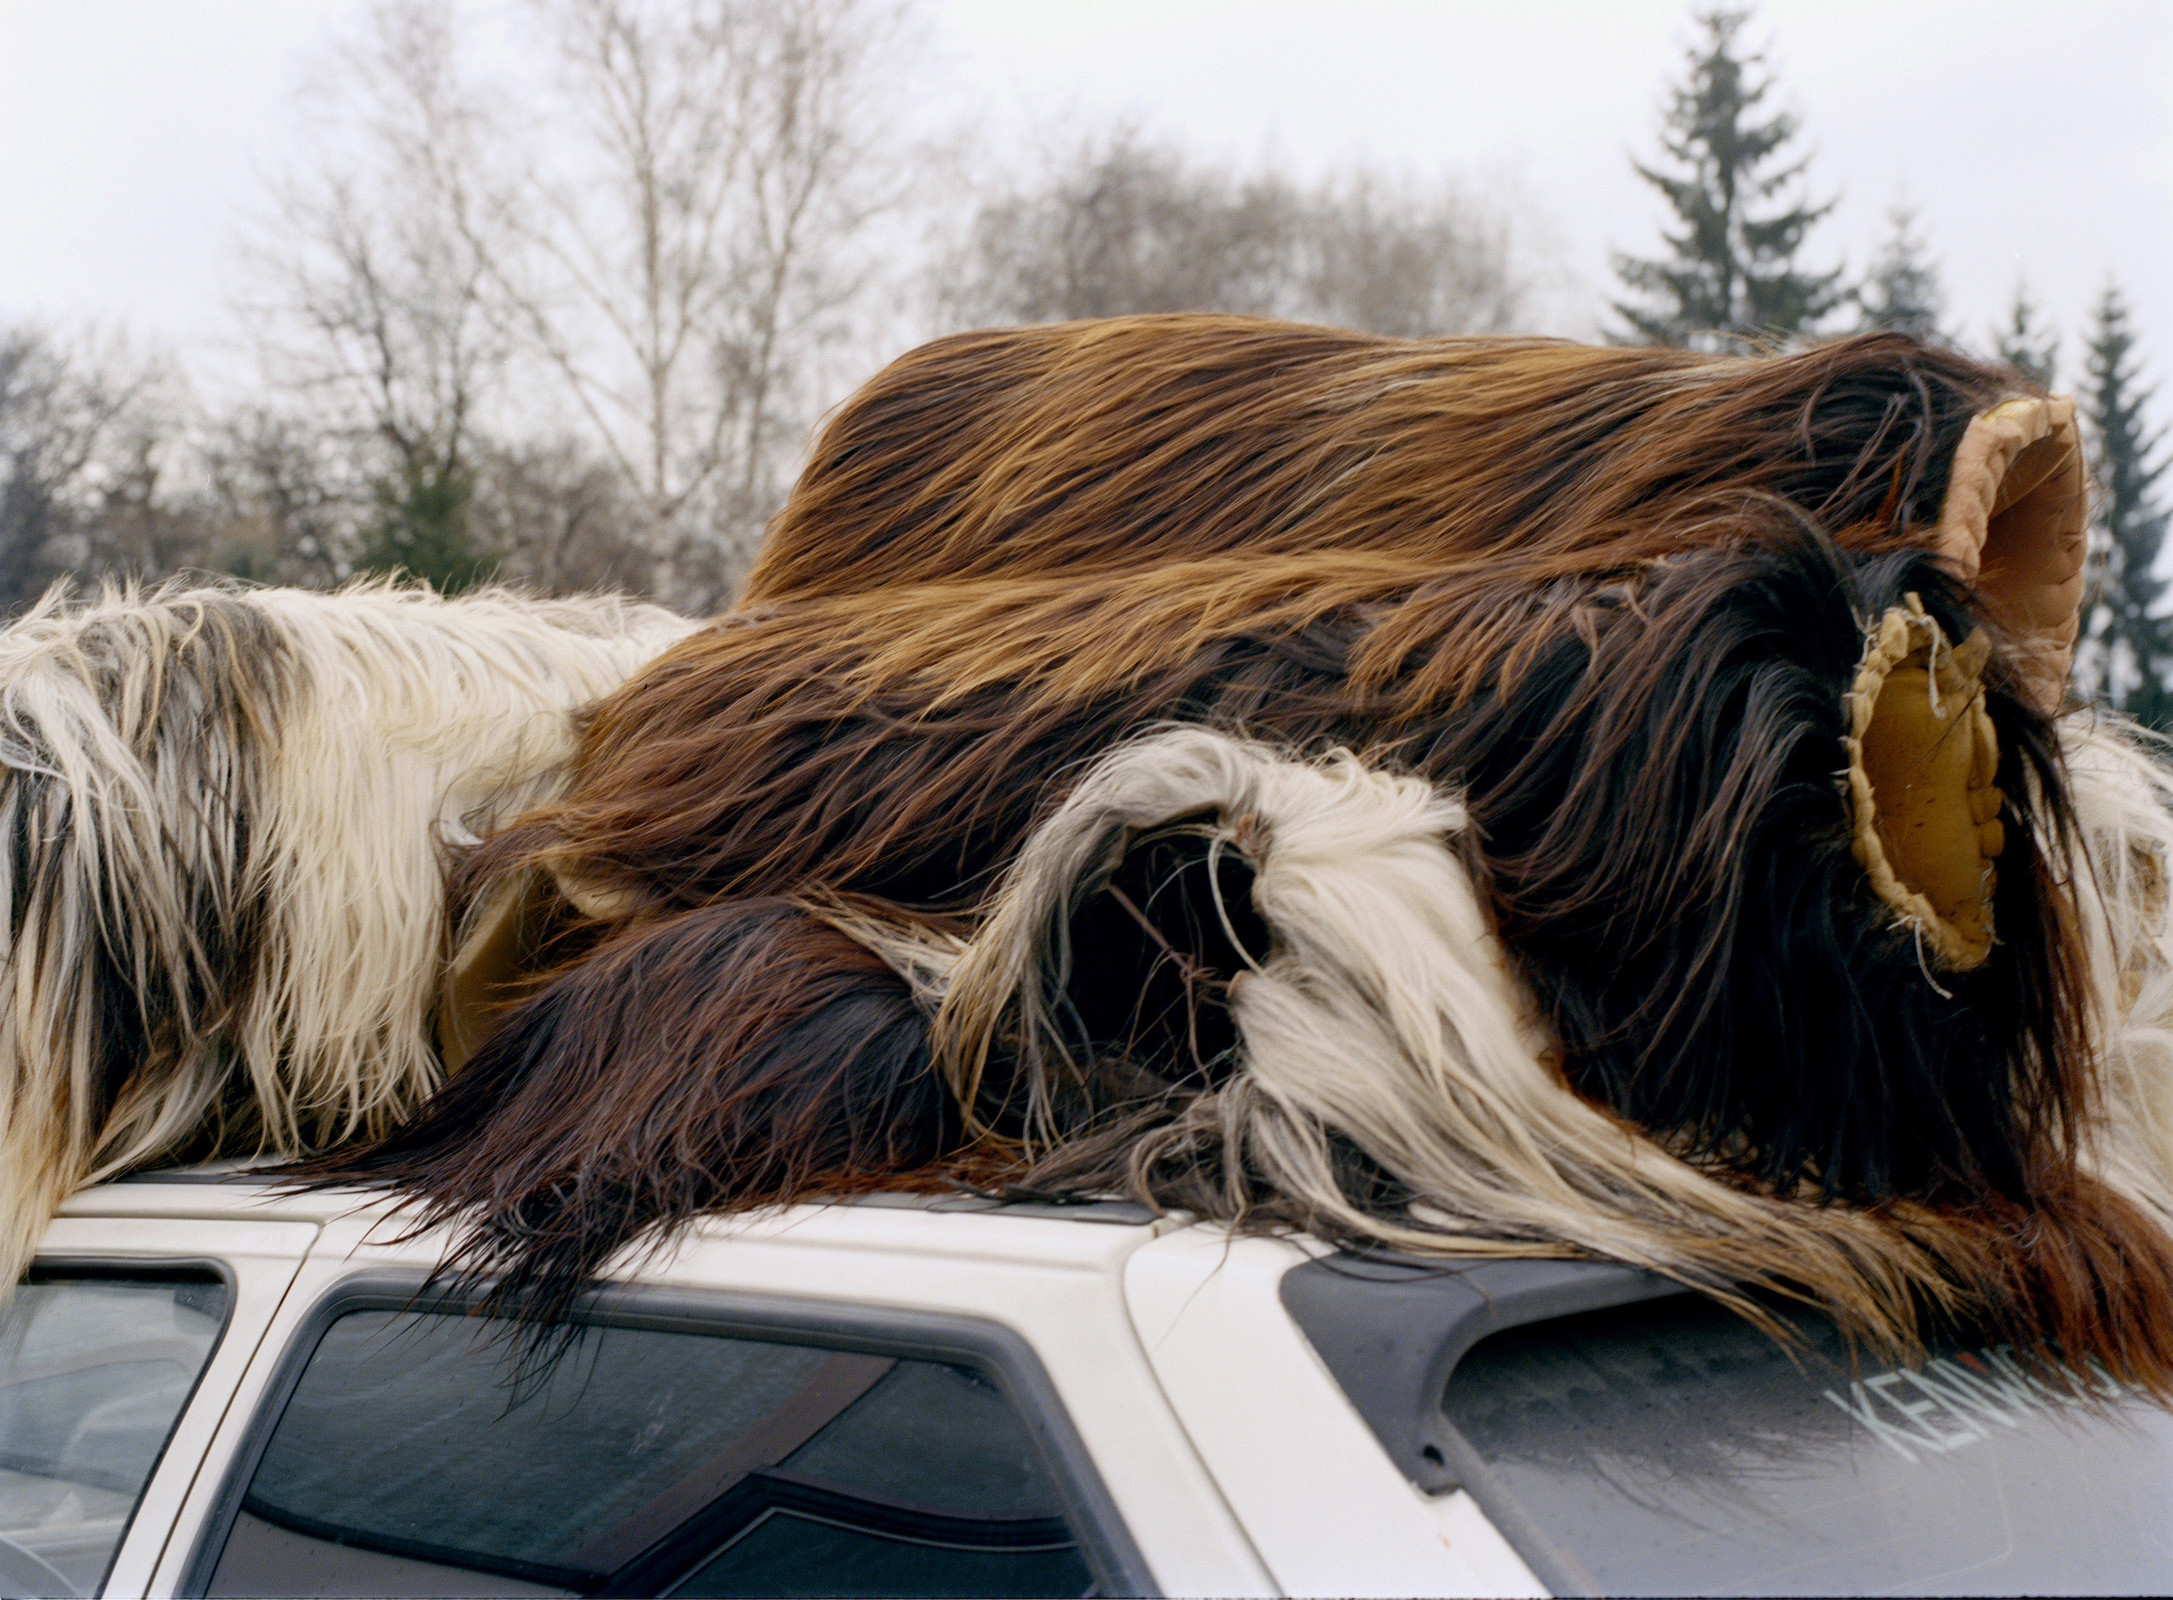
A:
(1610, 599)
(739, 1055)
(225, 812)
(1651, 819)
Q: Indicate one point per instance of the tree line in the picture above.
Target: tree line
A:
(569, 323)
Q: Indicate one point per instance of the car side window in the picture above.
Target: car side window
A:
(94, 1372)
(413, 1458)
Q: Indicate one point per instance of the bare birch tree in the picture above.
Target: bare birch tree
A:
(374, 272)
(646, 256)
(1116, 223)
(565, 517)
(289, 492)
(1394, 256)
(685, 263)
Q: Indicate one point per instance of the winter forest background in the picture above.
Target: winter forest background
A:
(597, 368)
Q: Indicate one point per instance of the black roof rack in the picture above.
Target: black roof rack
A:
(1393, 1329)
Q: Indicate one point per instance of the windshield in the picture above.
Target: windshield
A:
(1671, 1448)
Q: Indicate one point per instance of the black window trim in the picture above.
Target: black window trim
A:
(995, 1351)
(79, 1265)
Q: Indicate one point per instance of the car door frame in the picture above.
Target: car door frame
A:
(1002, 1285)
(259, 1259)
(996, 1352)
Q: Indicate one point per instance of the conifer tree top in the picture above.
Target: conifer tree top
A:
(1902, 290)
(2128, 635)
(1730, 277)
(2024, 344)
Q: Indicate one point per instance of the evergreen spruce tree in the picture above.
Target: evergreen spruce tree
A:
(1730, 278)
(1902, 291)
(2022, 344)
(2129, 642)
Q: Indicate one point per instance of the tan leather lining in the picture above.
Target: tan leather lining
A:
(503, 946)
(2014, 524)
(1924, 810)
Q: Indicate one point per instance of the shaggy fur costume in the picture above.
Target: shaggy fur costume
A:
(225, 811)
(1602, 611)
(1857, 1076)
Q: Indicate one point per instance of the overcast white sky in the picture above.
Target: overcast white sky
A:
(2034, 139)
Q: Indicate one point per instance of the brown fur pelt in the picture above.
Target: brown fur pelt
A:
(1827, 1063)
(1610, 599)
(1097, 446)
(1049, 515)
(1120, 445)
(744, 1054)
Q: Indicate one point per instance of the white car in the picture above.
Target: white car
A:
(208, 1387)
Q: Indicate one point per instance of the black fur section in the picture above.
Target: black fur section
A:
(1661, 830)
(1153, 953)
(737, 1056)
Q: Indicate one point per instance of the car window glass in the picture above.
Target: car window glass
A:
(410, 1461)
(932, 1434)
(94, 1372)
(1672, 1448)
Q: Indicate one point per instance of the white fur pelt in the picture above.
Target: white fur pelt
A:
(223, 820)
(1385, 1018)
(2122, 789)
